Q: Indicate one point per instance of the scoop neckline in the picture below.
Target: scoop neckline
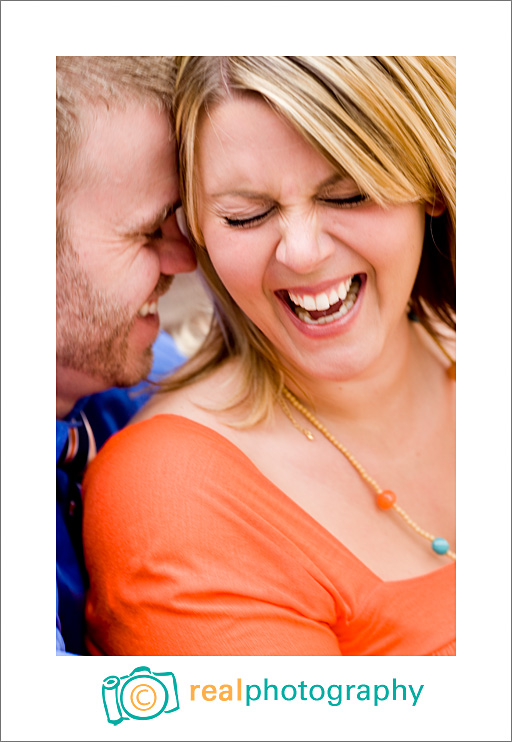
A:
(313, 523)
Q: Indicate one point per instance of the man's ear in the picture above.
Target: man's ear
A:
(435, 209)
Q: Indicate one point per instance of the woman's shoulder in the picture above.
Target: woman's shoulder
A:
(166, 470)
(152, 447)
(177, 440)
(196, 401)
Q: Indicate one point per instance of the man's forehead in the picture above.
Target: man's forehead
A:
(135, 142)
(126, 167)
(126, 135)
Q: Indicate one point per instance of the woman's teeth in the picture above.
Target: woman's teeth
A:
(324, 300)
(148, 308)
(326, 306)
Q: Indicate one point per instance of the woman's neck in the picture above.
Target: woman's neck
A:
(397, 383)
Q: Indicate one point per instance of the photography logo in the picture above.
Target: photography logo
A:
(140, 695)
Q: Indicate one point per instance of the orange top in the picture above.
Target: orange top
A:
(191, 550)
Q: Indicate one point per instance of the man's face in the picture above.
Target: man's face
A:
(121, 249)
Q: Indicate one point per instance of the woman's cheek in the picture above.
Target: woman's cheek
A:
(234, 259)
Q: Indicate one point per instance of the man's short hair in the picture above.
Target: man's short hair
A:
(83, 82)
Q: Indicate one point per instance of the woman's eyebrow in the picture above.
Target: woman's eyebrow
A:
(243, 194)
(332, 180)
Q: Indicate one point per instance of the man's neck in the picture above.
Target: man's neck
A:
(71, 387)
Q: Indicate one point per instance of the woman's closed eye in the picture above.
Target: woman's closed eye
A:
(250, 221)
(347, 202)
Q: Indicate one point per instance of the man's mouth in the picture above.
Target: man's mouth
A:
(325, 306)
(149, 308)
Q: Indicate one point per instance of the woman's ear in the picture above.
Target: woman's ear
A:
(435, 209)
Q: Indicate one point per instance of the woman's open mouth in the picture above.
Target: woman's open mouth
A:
(325, 306)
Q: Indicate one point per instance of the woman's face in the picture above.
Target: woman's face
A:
(325, 274)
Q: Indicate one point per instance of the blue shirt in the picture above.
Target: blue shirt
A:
(107, 413)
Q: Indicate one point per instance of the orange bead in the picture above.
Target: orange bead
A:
(452, 371)
(386, 499)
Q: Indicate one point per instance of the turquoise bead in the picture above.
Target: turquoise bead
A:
(440, 545)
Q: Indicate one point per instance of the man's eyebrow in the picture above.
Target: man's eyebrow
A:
(153, 221)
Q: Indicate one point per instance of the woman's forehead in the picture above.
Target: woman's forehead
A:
(240, 119)
(244, 145)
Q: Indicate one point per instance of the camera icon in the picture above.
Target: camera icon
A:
(140, 695)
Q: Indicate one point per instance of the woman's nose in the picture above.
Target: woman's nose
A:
(303, 245)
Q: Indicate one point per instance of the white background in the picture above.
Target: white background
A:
(464, 698)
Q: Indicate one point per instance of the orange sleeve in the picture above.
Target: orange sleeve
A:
(183, 561)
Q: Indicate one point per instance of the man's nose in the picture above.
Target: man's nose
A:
(174, 250)
(303, 244)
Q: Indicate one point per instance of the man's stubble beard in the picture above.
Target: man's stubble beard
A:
(93, 329)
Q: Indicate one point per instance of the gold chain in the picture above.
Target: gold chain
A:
(385, 498)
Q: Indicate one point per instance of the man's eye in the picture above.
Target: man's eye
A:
(156, 235)
(248, 222)
(347, 202)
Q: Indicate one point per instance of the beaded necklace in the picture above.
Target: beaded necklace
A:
(386, 499)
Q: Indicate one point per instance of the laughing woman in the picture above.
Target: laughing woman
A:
(292, 492)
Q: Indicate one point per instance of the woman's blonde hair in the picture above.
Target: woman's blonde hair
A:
(387, 122)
